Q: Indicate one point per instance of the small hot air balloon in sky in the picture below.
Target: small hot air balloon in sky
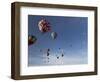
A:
(48, 49)
(54, 35)
(57, 57)
(62, 55)
(44, 25)
(31, 39)
(48, 54)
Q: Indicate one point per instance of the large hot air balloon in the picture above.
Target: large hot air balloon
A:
(31, 39)
(54, 35)
(44, 25)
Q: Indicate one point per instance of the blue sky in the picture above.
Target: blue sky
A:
(71, 39)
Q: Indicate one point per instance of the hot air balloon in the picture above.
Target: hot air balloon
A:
(57, 57)
(48, 54)
(48, 49)
(31, 39)
(54, 35)
(44, 25)
(62, 55)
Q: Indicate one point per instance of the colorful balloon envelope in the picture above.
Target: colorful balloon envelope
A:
(31, 39)
(44, 25)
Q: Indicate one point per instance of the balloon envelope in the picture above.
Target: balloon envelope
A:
(54, 35)
(44, 25)
(31, 39)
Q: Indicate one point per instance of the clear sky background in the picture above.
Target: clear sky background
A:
(71, 39)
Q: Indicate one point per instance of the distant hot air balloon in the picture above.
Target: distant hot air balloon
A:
(62, 55)
(44, 25)
(48, 50)
(31, 39)
(57, 57)
(48, 54)
(54, 35)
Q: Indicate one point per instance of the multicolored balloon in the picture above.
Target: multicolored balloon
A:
(31, 39)
(44, 25)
